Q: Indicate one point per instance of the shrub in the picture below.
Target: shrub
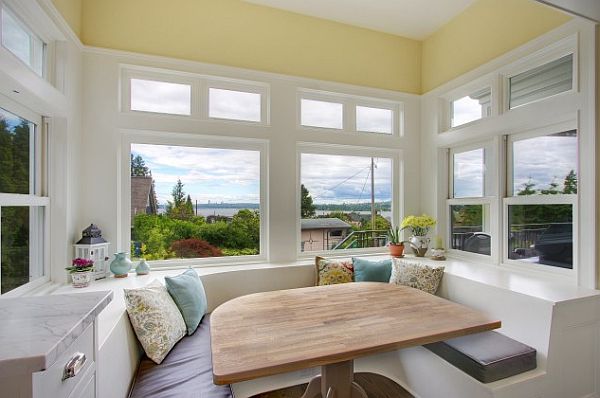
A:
(194, 248)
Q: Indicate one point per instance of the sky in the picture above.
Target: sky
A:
(218, 175)
(345, 179)
(465, 110)
(233, 176)
(539, 160)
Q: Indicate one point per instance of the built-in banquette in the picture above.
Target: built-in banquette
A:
(560, 321)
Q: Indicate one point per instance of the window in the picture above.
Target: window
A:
(321, 114)
(339, 194)
(22, 207)
(541, 82)
(469, 208)
(472, 107)
(235, 105)
(194, 202)
(374, 120)
(160, 97)
(544, 187)
(22, 42)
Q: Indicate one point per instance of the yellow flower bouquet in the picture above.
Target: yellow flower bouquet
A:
(419, 225)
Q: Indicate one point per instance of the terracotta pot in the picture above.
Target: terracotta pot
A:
(396, 250)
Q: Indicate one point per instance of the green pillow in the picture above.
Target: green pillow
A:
(188, 293)
(372, 271)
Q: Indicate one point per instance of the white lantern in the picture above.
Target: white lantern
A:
(92, 246)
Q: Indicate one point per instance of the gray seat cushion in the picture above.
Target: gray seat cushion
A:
(487, 356)
(185, 372)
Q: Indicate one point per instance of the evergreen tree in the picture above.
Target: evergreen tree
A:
(189, 207)
(570, 185)
(307, 208)
(138, 167)
(552, 190)
(181, 207)
(527, 189)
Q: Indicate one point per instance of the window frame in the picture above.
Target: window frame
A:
(397, 180)
(199, 98)
(349, 103)
(39, 248)
(539, 199)
(131, 136)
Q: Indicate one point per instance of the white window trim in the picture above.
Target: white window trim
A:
(349, 103)
(200, 85)
(130, 137)
(552, 52)
(34, 200)
(347, 150)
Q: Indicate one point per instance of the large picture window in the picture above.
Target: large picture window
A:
(345, 201)
(194, 202)
(22, 206)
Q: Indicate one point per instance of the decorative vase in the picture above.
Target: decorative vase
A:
(142, 268)
(121, 265)
(419, 244)
(396, 250)
(81, 279)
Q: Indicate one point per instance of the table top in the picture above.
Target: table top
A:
(36, 330)
(281, 331)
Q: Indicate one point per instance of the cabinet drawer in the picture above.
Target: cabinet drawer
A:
(50, 383)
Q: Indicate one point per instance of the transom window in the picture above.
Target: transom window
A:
(22, 42)
(474, 106)
(161, 97)
(321, 114)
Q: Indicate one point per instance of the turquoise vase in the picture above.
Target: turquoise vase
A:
(142, 268)
(121, 265)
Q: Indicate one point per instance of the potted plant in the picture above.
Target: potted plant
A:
(81, 271)
(419, 226)
(395, 244)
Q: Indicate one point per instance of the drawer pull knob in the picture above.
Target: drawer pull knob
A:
(74, 365)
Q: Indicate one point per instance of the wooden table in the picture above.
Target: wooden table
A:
(281, 331)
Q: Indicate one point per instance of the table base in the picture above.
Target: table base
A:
(336, 381)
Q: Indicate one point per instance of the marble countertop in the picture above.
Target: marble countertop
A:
(35, 331)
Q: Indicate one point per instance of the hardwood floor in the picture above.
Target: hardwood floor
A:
(375, 385)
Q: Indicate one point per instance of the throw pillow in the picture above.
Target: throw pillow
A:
(155, 318)
(188, 293)
(417, 275)
(330, 272)
(372, 271)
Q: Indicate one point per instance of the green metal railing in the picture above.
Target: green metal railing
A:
(363, 239)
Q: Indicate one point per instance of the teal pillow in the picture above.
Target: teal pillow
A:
(372, 271)
(188, 293)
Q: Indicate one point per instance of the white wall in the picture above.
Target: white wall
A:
(105, 124)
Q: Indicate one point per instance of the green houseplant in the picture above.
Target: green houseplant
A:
(81, 271)
(395, 243)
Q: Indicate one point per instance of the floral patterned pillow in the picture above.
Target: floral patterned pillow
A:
(330, 272)
(417, 275)
(155, 318)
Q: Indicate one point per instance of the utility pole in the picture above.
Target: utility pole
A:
(373, 212)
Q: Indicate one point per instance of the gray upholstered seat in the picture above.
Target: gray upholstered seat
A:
(185, 372)
(487, 356)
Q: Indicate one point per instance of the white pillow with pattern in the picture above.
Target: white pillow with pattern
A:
(155, 318)
(416, 274)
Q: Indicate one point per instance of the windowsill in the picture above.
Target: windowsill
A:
(533, 285)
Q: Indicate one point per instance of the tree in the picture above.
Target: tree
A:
(552, 190)
(570, 186)
(527, 189)
(138, 167)
(307, 208)
(178, 208)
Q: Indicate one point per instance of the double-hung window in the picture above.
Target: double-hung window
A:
(542, 196)
(469, 206)
(23, 204)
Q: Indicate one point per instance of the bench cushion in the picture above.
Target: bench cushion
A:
(487, 356)
(185, 372)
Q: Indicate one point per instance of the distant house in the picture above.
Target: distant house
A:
(142, 192)
(322, 233)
